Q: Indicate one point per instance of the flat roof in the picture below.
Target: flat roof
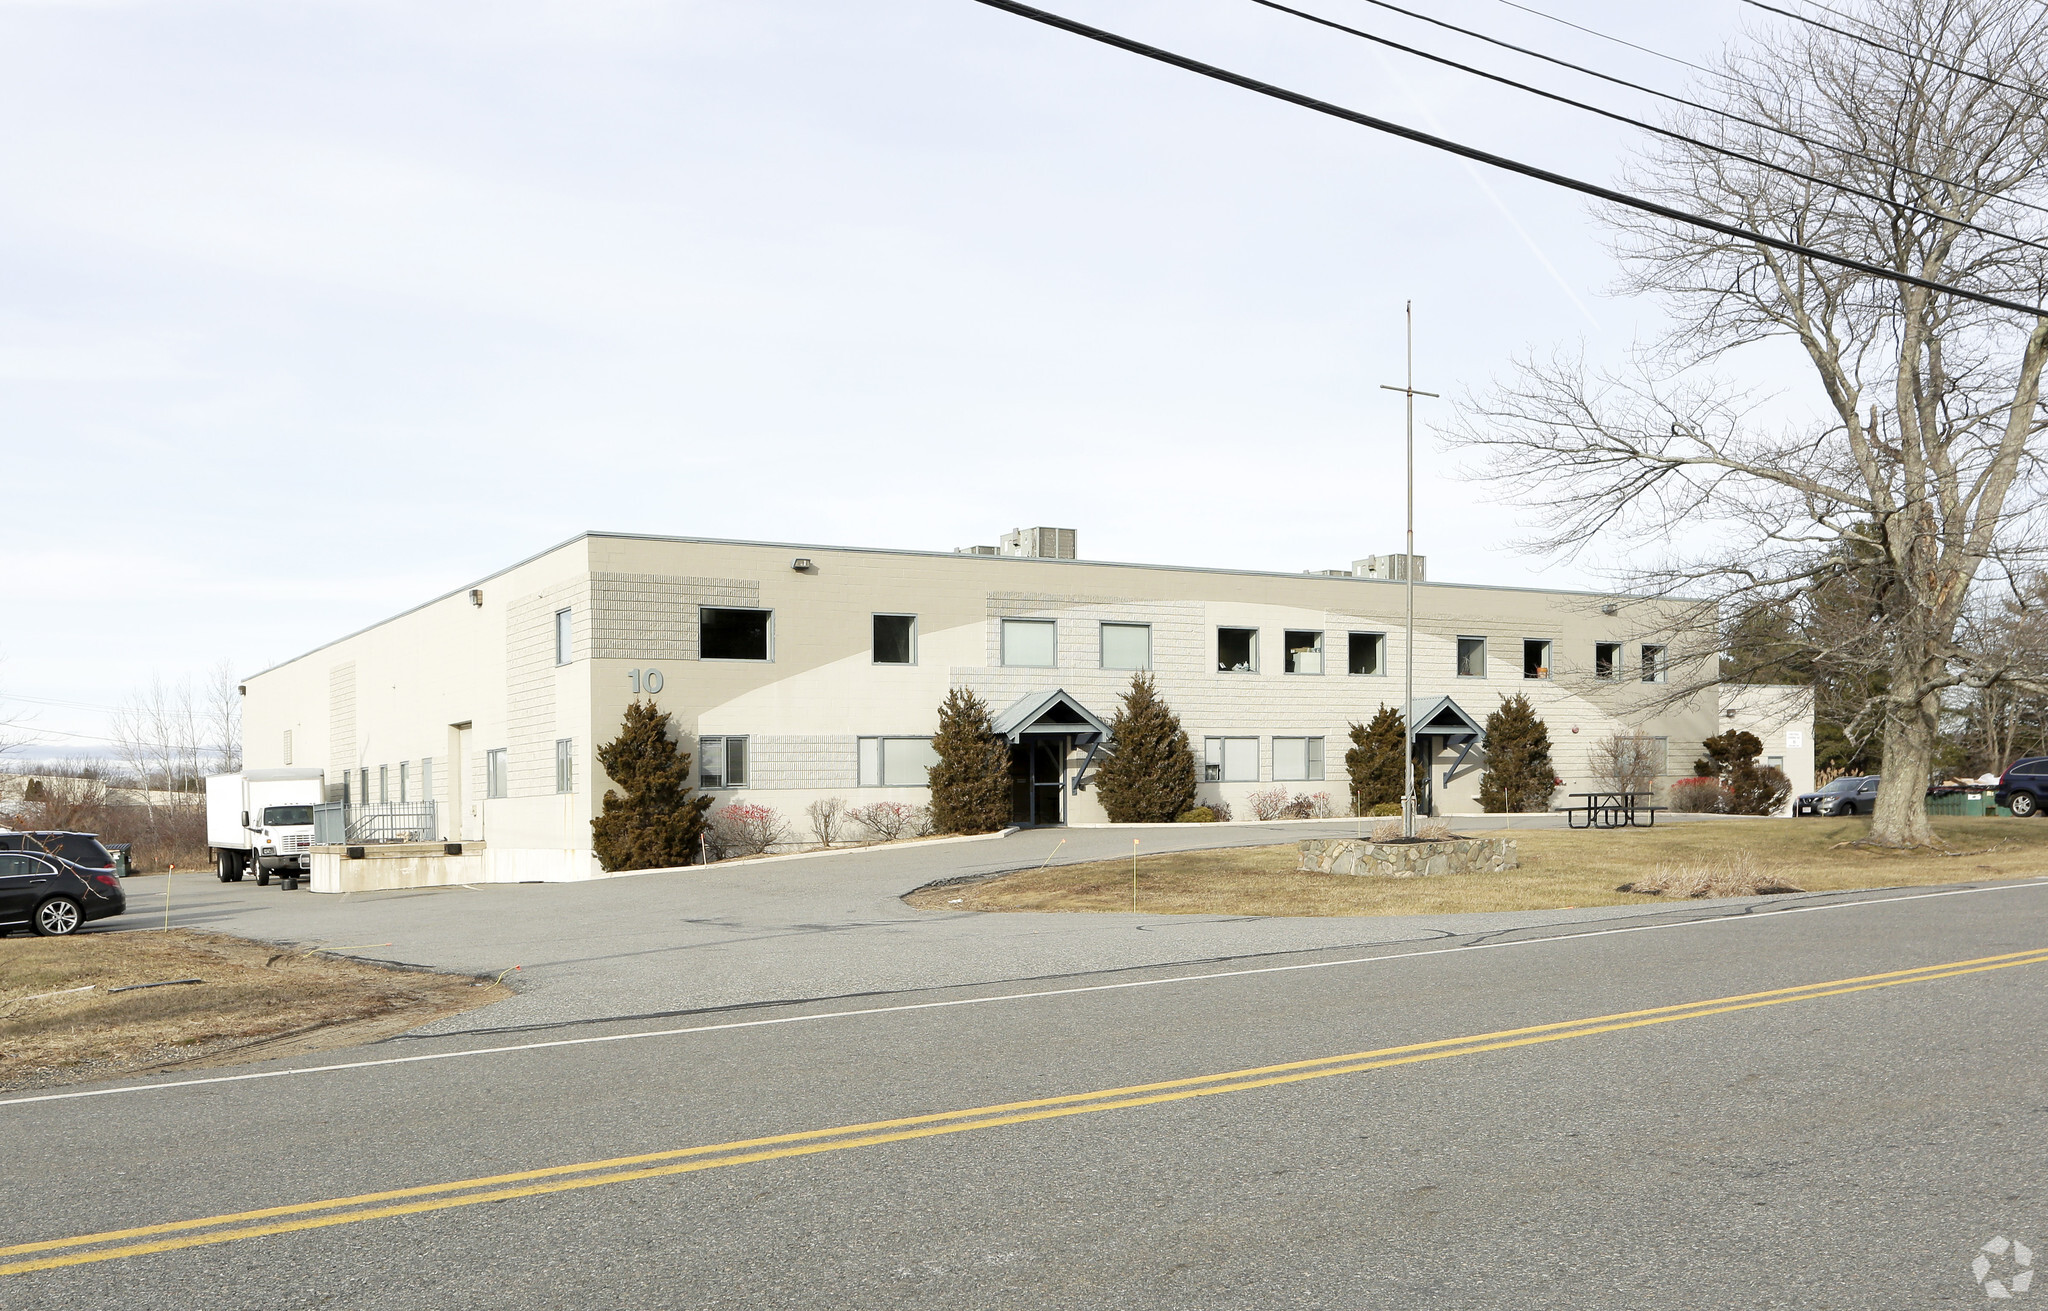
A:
(589, 533)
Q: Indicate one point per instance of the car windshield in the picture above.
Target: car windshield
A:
(78, 848)
(1840, 786)
(287, 815)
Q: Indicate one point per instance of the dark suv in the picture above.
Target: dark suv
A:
(78, 851)
(51, 896)
(2024, 789)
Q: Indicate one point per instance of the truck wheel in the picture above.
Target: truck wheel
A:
(225, 870)
(262, 877)
(2023, 804)
(57, 917)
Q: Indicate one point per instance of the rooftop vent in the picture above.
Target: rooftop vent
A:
(1391, 566)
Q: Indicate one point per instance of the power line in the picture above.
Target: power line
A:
(1502, 162)
(1566, 22)
(1873, 42)
(1731, 115)
(1648, 127)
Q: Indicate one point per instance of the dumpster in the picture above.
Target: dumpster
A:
(123, 860)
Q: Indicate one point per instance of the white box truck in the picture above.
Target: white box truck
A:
(261, 820)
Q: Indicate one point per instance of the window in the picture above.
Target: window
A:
(732, 634)
(895, 639)
(1230, 759)
(1658, 754)
(345, 800)
(1127, 646)
(1369, 654)
(1653, 663)
(565, 764)
(287, 746)
(1297, 758)
(1304, 652)
(365, 772)
(404, 782)
(561, 637)
(1237, 651)
(896, 762)
(494, 773)
(1032, 643)
(1606, 659)
(1535, 659)
(426, 778)
(1471, 657)
(722, 762)
(1774, 762)
(383, 785)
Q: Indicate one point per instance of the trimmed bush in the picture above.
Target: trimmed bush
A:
(1518, 776)
(1698, 796)
(1146, 774)
(971, 783)
(650, 820)
(1384, 809)
(1199, 815)
(1377, 762)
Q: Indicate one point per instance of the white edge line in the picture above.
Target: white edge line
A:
(1011, 996)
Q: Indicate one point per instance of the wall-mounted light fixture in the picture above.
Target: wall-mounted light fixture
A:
(1610, 608)
(802, 564)
(476, 596)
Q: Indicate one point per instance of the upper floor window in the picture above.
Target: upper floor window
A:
(895, 639)
(1535, 659)
(1471, 657)
(1653, 663)
(722, 762)
(562, 637)
(1237, 651)
(1127, 646)
(733, 634)
(1032, 643)
(1368, 654)
(1304, 652)
(1606, 659)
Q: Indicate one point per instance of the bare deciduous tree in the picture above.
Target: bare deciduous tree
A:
(224, 716)
(1628, 760)
(161, 740)
(1918, 488)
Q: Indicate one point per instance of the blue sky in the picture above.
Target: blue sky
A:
(314, 311)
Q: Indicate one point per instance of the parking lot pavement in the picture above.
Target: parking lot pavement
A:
(743, 933)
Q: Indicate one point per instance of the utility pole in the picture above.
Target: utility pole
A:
(1408, 575)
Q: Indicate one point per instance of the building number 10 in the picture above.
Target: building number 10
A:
(646, 680)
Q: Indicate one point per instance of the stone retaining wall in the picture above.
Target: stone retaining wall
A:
(1407, 860)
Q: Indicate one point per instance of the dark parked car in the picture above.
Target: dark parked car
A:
(2024, 789)
(79, 851)
(1850, 795)
(53, 897)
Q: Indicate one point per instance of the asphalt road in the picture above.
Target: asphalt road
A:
(742, 933)
(1851, 1145)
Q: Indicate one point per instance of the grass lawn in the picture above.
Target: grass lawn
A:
(256, 1001)
(1560, 869)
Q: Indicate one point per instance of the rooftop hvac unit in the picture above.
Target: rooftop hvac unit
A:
(1040, 543)
(1391, 566)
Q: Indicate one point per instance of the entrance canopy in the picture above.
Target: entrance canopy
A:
(1051, 712)
(1443, 717)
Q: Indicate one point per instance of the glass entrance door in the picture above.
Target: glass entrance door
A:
(1038, 779)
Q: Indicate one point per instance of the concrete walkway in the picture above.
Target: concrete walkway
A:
(737, 934)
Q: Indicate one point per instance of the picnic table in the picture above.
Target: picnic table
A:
(1612, 810)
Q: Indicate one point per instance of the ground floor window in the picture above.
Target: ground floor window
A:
(1297, 758)
(722, 762)
(896, 762)
(426, 778)
(565, 764)
(404, 782)
(495, 780)
(383, 785)
(1230, 760)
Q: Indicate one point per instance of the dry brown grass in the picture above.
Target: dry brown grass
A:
(1737, 874)
(1560, 869)
(256, 1001)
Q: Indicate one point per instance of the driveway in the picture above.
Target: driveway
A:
(826, 926)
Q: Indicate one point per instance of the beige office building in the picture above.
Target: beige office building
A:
(800, 672)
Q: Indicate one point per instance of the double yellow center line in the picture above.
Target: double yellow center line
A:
(173, 1235)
